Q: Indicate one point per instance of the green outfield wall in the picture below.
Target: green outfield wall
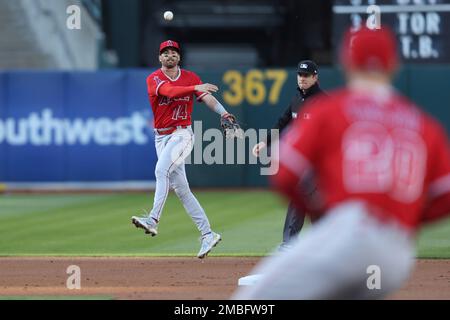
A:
(258, 96)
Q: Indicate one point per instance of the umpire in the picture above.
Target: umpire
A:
(307, 88)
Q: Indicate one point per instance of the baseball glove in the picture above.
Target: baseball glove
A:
(231, 127)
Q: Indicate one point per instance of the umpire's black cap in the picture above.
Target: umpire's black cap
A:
(308, 67)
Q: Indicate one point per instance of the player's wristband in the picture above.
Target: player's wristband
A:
(218, 108)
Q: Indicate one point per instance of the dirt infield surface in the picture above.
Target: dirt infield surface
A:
(170, 278)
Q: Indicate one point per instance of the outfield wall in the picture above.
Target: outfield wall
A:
(86, 127)
(69, 126)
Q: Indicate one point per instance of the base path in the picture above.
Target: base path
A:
(174, 278)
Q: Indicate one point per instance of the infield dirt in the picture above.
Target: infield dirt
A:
(174, 278)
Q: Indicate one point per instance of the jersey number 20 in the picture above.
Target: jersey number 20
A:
(376, 160)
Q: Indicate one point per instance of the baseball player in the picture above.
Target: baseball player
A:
(171, 92)
(383, 170)
(307, 89)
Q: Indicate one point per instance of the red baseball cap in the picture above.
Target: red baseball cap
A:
(169, 44)
(370, 49)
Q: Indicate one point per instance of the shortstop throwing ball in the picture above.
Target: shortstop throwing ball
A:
(168, 15)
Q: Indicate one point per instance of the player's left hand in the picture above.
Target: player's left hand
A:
(231, 127)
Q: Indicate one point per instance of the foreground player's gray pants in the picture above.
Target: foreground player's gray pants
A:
(293, 224)
(347, 254)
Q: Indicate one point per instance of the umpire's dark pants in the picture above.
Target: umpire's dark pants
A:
(293, 223)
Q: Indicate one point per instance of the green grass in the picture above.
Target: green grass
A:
(99, 225)
(434, 240)
(92, 224)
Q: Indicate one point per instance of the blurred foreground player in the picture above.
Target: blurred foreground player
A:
(383, 170)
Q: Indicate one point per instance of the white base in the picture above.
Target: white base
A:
(249, 280)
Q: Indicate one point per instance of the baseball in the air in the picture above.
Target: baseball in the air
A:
(168, 15)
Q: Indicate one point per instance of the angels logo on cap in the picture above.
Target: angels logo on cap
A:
(169, 44)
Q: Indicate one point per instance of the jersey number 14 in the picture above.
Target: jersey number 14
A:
(180, 112)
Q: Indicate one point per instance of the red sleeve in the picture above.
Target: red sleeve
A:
(196, 80)
(158, 87)
(171, 91)
(298, 148)
(153, 84)
(438, 204)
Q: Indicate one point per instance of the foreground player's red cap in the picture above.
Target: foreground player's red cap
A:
(370, 49)
(169, 44)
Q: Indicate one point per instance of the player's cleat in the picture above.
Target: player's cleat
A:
(209, 241)
(146, 224)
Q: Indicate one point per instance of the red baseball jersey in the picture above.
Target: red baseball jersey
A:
(175, 111)
(380, 148)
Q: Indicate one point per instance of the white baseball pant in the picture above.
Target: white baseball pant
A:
(172, 150)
